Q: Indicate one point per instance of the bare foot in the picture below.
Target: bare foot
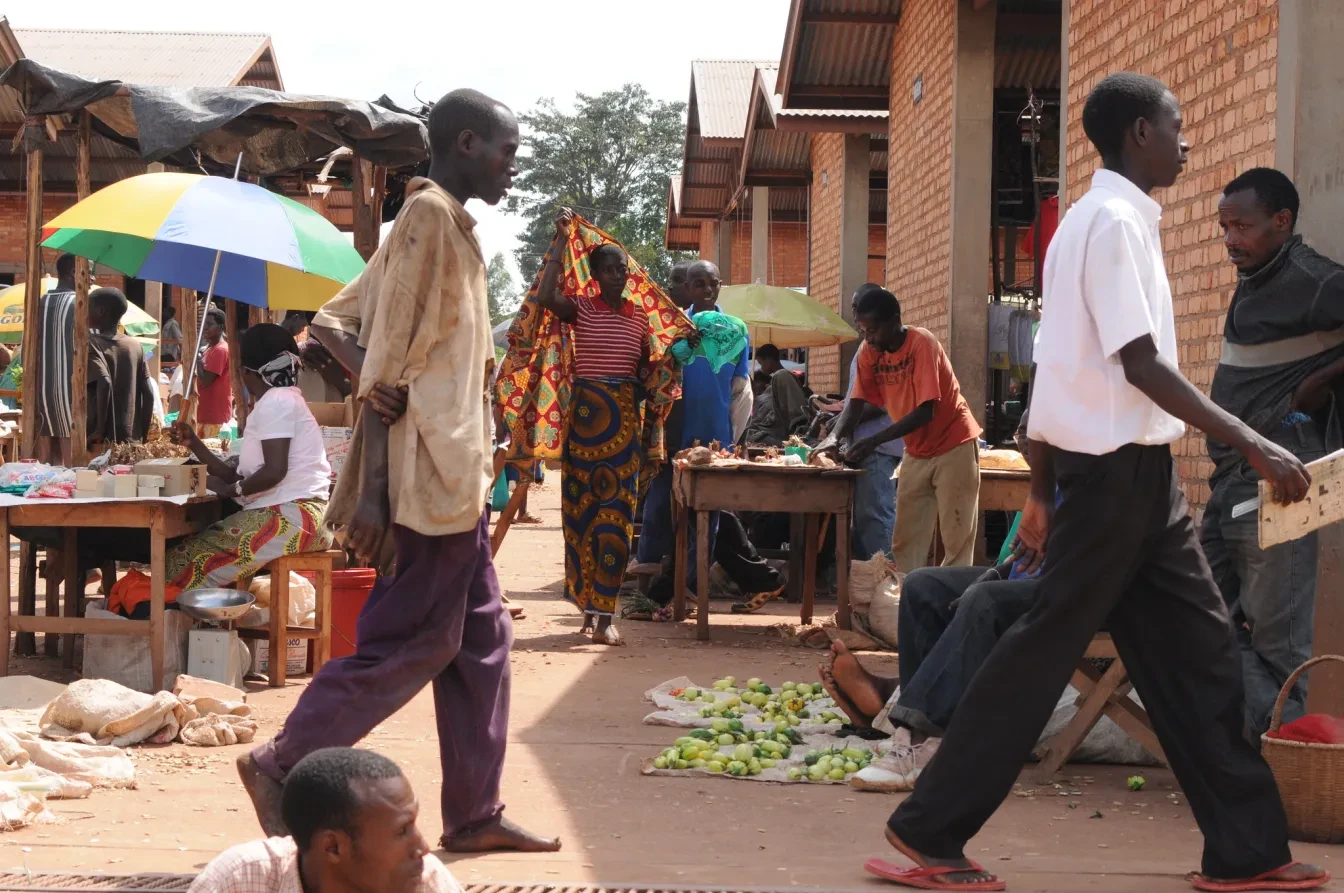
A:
(1294, 875)
(859, 686)
(265, 794)
(588, 621)
(952, 879)
(606, 633)
(856, 718)
(497, 835)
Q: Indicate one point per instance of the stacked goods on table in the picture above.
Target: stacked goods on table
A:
(146, 479)
(1003, 460)
(755, 733)
(794, 454)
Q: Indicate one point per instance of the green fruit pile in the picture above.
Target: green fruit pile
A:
(747, 753)
(833, 763)
(789, 706)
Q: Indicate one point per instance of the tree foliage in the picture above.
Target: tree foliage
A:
(500, 289)
(610, 160)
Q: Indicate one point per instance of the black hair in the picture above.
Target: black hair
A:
(169, 311)
(683, 265)
(461, 110)
(109, 303)
(317, 794)
(1273, 190)
(702, 263)
(264, 342)
(1113, 106)
(876, 302)
(65, 266)
(595, 256)
(216, 315)
(767, 352)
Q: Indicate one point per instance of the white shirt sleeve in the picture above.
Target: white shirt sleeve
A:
(1115, 283)
(274, 420)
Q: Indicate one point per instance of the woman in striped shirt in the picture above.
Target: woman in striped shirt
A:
(602, 454)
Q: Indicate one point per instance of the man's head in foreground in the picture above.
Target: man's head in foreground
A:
(1258, 213)
(473, 142)
(1135, 123)
(352, 815)
(702, 286)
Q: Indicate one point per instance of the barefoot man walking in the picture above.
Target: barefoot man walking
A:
(1108, 402)
(417, 319)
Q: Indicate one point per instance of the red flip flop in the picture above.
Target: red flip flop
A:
(1259, 882)
(928, 878)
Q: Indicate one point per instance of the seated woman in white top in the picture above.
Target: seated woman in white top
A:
(282, 480)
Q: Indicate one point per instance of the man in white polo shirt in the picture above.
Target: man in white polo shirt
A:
(1121, 548)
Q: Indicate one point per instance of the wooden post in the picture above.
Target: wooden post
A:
(235, 363)
(32, 305)
(154, 304)
(79, 383)
(191, 319)
(257, 315)
(361, 201)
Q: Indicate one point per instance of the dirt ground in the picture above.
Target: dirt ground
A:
(575, 745)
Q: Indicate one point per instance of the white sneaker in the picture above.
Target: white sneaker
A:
(897, 769)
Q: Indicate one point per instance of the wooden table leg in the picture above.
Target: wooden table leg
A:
(796, 553)
(4, 593)
(842, 615)
(702, 574)
(26, 643)
(809, 567)
(322, 620)
(51, 642)
(679, 564)
(157, 580)
(74, 588)
(275, 675)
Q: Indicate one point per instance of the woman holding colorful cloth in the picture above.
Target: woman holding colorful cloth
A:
(589, 379)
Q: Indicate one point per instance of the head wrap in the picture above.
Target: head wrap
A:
(281, 372)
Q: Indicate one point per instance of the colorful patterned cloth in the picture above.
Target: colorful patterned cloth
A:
(599, 490)
(245, 542)
(535, 386)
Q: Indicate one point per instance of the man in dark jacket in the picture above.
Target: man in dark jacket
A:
(1282, 356)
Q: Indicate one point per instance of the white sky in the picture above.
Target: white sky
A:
(514, 50)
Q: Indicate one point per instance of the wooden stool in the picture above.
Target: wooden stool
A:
(1098, 694)
(320, 564)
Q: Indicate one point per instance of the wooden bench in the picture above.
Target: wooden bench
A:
(320, 565)
(1099, 694)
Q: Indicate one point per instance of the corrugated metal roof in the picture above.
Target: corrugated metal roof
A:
(1028, 60)
(720, 94)
(163, 58)
(826, 52)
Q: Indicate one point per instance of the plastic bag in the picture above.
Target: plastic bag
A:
(302, 602)
(14, 475)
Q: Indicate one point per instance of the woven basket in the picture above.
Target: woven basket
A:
(1310, 776)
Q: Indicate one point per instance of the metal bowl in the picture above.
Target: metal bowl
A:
(219, 605)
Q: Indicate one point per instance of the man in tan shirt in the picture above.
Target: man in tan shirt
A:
(416, 322)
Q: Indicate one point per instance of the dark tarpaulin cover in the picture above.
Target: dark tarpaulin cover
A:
(276, 132)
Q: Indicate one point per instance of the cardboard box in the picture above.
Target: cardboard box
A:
(181, 477)
(86, 479)
(150, 480)
(148, 492)
(296, 662)
(337, 443)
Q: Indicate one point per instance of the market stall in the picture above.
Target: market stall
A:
(815, 492)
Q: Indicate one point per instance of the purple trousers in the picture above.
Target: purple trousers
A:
(439, 620)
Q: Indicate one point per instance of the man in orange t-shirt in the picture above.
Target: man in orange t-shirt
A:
(906, 372)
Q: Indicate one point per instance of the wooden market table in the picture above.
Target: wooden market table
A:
(753, 487)
(165, 518)
(1004, 489)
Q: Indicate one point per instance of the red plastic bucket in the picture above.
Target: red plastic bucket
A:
(349, 591)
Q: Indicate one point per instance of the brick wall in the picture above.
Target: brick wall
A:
(787, 259)
(1219, 57)
(13, 217)
(920, 164)
(828, 164)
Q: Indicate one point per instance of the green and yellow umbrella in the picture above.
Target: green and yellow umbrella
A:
(784, 317)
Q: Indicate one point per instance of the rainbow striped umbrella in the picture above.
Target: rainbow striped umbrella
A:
(271, 251)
